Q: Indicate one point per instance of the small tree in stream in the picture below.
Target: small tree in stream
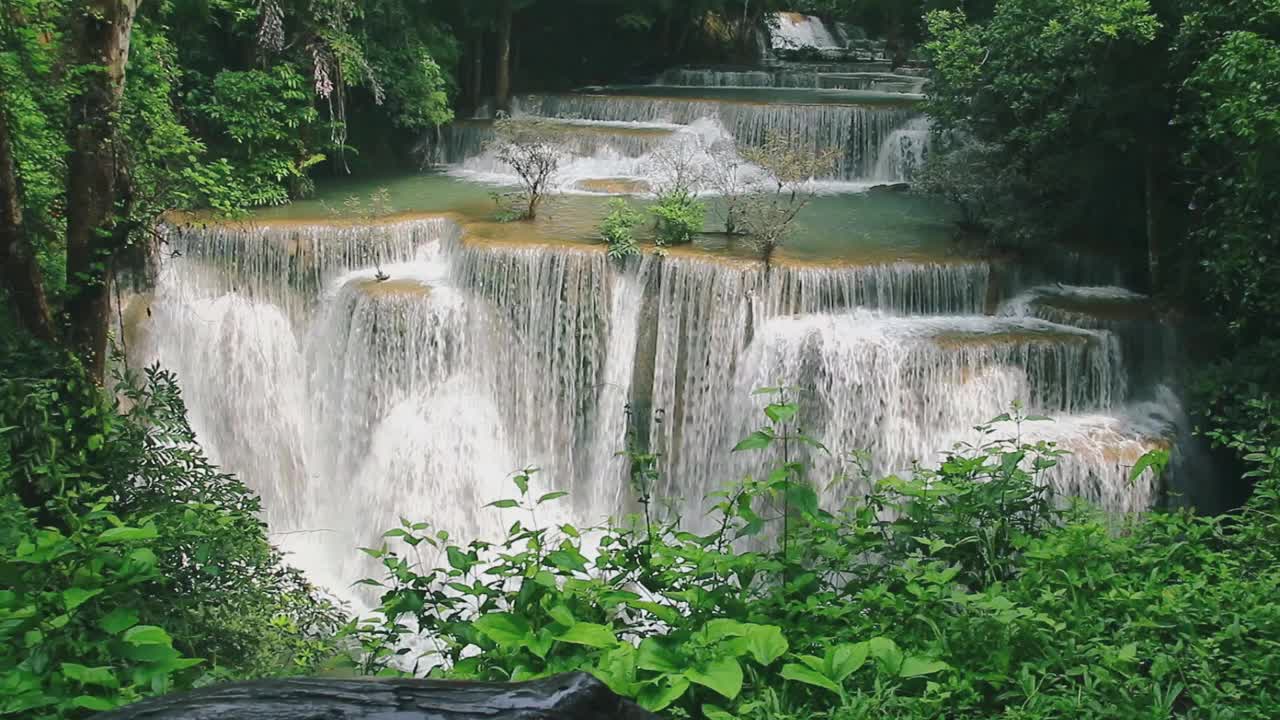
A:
(679, 174)
(785, 190)
(728, 176)
(533, 148)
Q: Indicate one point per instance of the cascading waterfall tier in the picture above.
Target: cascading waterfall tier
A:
(467, 142)
(366, 373)
(792, 78)
(289, 265)
(897, 387)
(855, 132)
(1150, 344)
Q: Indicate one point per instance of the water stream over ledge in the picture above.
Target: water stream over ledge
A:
(357, 372)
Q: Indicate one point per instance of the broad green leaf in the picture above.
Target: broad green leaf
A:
(657, 696)
(570, 560)
(846, 659)
(802, 674)
(148, 635)
(127, 534)
(504, 628)
(522, 482)
(916, 666)
(887, 652)
(100, 676)
(656, 656)
(562, 615)
(503, 504)
(1157, 459)
(766, 643)
(755, 441)
(75, 597)
(664, 613)
(802, 498)
(617, 669)
(589, 634)
(816, 664)
(552, 496)
(781, 413)
(89, 702)
(458, 560)
(724, 675)
(721, 628)
(541, 643)
(711, 712)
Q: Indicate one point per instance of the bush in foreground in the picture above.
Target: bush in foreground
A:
(961, 592)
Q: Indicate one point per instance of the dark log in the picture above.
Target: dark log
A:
(576, 696)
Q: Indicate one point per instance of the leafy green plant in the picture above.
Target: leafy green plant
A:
(618, 229)
(69, 619)
(963, 591)
(126, 555)
(679, 217)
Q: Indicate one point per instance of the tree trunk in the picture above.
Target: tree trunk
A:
(502, 91)
(566, 697)
(97, 180)
(20, 272)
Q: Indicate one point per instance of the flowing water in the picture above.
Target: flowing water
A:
(357, 372)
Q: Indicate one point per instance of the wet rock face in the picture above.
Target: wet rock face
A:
(576, 696)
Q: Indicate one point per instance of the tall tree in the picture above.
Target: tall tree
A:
(22, 274)
(98, 186)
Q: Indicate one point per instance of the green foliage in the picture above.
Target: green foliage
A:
(131, 565)
(264, 114)
(618, 229)
(1234, 117)
(679, 217)
(72, 634)
(964, 592)
(1147, 128)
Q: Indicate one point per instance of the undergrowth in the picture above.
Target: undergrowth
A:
(964, 591)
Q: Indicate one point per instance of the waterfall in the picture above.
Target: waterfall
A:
(897, 387)
(465, 143)
(855, 132)
(692, 77)
(793, 31)
(1150, 344)
(365, 373)
(904, 152)
(551, 313)
(608, 470)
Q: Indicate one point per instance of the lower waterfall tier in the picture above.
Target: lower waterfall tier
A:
(366, 373)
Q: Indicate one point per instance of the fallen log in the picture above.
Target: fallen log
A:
(576, 696)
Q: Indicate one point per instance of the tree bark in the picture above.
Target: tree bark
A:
(502, 91)
(18, 267)
(97, 179)
(577, 696)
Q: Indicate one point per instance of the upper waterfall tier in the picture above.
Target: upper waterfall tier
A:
(855, 132)
(467, 139)
(792, 78)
